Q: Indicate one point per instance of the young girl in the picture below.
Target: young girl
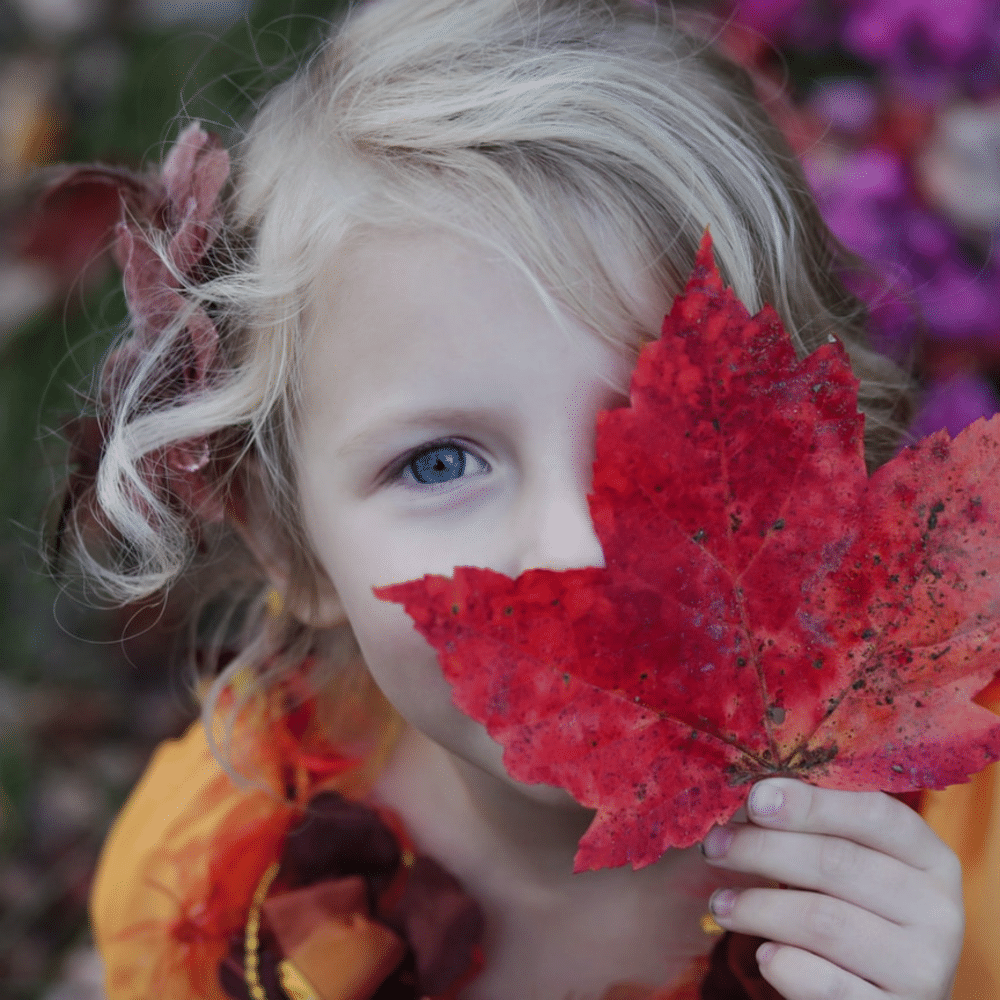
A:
(375, 348)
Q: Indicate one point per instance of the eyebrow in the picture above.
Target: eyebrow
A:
(394, 422)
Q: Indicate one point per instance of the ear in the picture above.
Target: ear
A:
(249, 513)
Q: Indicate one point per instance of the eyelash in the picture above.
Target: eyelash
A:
(396, 471)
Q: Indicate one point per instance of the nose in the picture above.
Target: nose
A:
(556, 530)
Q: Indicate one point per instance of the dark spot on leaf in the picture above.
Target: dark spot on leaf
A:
(868, 633)
(859, 684)
(935, 510)
(741, 661)
(454, 609)
(818, 664)
(894, 578)
(776, 715)
(816, 758)
(566, 678)
(643, 676)
(877, 559)
(735, 523)
(779, 524)
(508, 611)
(715, 424)
(918, 703)
(898, 768)
(699, 536)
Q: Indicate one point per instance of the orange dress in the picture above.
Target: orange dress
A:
(182, 862)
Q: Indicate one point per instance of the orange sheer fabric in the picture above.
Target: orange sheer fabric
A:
(160, 917)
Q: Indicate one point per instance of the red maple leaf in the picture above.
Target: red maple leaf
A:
(766, 607)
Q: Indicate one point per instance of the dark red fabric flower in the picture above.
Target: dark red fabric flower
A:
(167, 225)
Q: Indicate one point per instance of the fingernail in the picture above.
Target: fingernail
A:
(766, 952)
(717, 842)
(765, 799)
(722, 902)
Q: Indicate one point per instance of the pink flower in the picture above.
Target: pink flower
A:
(168, 224)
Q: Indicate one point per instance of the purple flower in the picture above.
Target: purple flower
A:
(878, 29)
(807, 24)
(953, 404)
(930, 48)
(962, 301)
(859, 193)
(869, 201)
(849, 105)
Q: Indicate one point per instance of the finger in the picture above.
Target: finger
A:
(895, 959)
(872, 819)
(800, 975)
(831, 865)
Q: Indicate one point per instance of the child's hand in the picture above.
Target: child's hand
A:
(874, 911)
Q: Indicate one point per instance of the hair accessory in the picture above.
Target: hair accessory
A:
(184, 207)
(168, 224)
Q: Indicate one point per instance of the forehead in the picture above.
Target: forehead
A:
(389, 293)
(386, 285)
(405, 320)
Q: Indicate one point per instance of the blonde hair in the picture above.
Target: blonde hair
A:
(569, 136)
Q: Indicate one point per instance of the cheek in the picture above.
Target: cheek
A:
(383, 630)
(374, 545)
(399, 659)
(353, 554)
(363, 546)
(404, 667)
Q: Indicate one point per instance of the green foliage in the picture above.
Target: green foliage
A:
(198, 74)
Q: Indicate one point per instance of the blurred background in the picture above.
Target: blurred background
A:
(893, 105)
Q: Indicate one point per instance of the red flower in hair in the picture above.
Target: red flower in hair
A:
(168, 224)
(187, 213)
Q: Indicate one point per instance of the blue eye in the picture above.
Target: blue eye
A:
(440, 464)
